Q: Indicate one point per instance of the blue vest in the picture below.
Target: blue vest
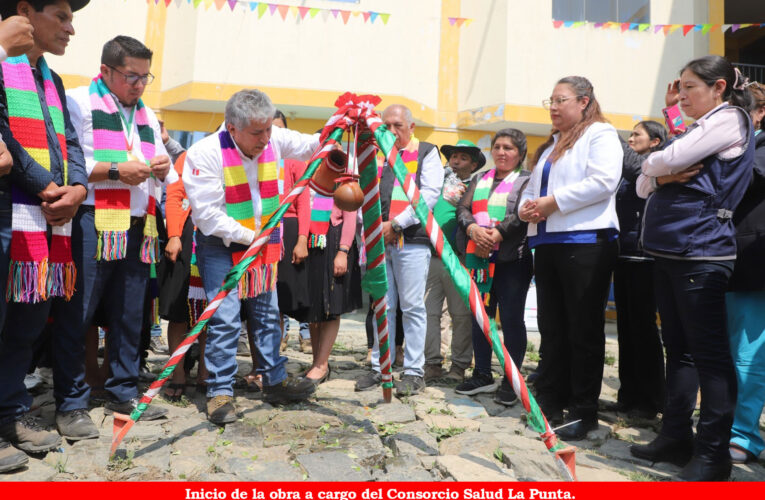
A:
(695, 220)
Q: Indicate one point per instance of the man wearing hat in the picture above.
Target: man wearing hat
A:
(46, 185)
(464, 158)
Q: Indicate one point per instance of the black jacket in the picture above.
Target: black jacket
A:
(749, 219)
(513, 230)
(629, 206)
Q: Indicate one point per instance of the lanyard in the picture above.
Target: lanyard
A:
(127, 124)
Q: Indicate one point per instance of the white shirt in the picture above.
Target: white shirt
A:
(724, 133)
(583, 182)
(3, 54)
(80, 112)
(203, 179)
(431, 182)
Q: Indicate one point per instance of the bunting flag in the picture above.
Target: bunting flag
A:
(459, 21)
(667, 29)
(292, 11)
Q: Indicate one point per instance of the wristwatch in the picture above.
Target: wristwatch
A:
(114, 172)
(395, 225)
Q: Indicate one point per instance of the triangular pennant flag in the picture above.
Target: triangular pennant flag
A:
(698, 27)
(325, 14)
(556, 24)
(168, 2)
(625, 27)
(468, 21)
(598, 25)
(705, 29)
(578, 24)
(385, 18)
(726, 27)
(253, 6)
(715, 27)
(283, 10)
(643, 26)
(735, 28)
(657, 28)
(346, 14)
(272, 8)
(633, 26)
(219, 4)
(366, 15)
(356, 13)
(675, 27)
(687, 28)
(155, 2)
(666, 28)
(294, 10)
(178, 3)
(232, 3)
(313, 12)
(373, 16)
(568, 24)
(262, 8)
(452, 20)
(747, 25)
(303, 11)
(208, 4)
(335, 12)
(460, 20)
(196, 3)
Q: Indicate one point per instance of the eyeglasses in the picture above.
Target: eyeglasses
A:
(133, 79)
(547, 103)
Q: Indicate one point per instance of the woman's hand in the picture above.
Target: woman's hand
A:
(480, 236)
(680, 177)
(495, 236)
(527, 211)
(300, 252)
(672, 96)
(341, 264)
(546, 206)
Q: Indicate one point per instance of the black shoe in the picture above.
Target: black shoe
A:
(322, 379)
(144, 374)
(10, 457)
(532, 377)
(76, 425)
(368, 381)
(505, 395)
(705, 469)
(665, 449)
(740, 455)
(579, 430)
(289, 391)
(477, 384)
(127, 407)
(409, 385)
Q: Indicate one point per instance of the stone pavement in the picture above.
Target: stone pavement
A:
(343, 435)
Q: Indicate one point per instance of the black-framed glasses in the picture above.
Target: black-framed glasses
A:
(133, 79)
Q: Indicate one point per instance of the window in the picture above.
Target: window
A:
(601, 11)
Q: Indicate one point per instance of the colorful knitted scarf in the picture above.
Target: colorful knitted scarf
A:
(489, 209)
(197, 299)
(37, 271)
(261, 276)
(399, 201)
(112, 198)
(321, 212)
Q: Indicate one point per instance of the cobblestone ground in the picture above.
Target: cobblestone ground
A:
(343, 435)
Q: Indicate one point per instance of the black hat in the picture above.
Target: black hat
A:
(9, 9)
(467, 147)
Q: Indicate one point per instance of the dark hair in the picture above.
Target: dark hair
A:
(713, 68)
(655, 130)
(591, 114)
(117, 49)
(278, 114)
(9, 9)
(518, 139)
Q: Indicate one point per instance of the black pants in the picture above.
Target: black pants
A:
(572, 288)
(641, 354)
(691, 298)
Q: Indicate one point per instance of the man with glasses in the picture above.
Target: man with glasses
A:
(115, 228)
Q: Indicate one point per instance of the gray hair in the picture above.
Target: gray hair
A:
(247, 106)
(400, 107)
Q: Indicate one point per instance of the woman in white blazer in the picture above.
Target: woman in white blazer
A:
(570, 205)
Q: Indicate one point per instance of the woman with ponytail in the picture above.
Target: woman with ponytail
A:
(571, 209)
(688, 228)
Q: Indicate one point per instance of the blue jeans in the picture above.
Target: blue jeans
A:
(262, 314)
(746, 327)
(691, 300)
(407, 275)
(508, 291)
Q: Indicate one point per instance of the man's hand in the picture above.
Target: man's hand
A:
(681, 177)
(163, 132)
(16, 36)
(389, 235)
(173, 248)
(160, 166)
(300, 252)
(6, 160)
(134, 172)
(341, 264)
(67, 201)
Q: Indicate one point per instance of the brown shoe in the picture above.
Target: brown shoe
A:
(27, 435)
(306, 346)
(10, 457)
(283, 344)
(221, 410)
(433, 373)
(455, 375)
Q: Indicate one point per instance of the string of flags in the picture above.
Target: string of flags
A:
(459, 21)
(284, 10)
(667, 29)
